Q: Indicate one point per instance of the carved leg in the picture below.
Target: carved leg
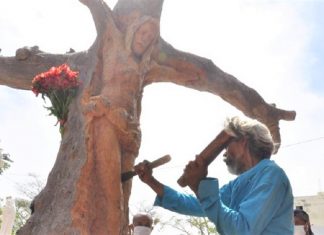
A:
(128, 160)
(130, 146)
(99, 208)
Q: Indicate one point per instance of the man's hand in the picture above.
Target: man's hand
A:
(195, 171)
(145, 173)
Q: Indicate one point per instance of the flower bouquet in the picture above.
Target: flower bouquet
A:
(59, 85)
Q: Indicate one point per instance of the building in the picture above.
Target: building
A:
(314, 206)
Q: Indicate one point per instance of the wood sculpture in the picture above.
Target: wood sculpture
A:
(84, 193)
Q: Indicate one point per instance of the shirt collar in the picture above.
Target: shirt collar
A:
(252, 171)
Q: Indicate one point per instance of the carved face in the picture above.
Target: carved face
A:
(143, 37)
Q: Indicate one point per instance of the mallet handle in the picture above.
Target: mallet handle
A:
(210, 153)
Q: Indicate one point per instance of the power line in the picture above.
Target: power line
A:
(303, 142)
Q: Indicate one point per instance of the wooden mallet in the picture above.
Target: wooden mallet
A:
(210, 152)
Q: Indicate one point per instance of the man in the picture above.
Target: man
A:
(258, 202)
(302, 223)
(142, 224)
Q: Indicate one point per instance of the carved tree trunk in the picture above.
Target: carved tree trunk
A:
(84, 194)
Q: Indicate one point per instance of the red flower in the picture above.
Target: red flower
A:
(59, 84)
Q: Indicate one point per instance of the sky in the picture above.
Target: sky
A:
(275, 47)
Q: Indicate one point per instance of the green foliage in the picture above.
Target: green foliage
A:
(22, 213)
(4, 166)
(190, 225)
(4, 161)
(202, 224)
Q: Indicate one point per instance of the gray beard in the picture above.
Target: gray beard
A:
(232, 168)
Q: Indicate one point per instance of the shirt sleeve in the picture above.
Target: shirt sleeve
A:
(185, 204)
(225, 193)
(254, 213)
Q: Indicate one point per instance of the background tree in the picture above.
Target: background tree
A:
(28, 191)
(23, 212)
(31, 187)
(103, 130)
(4, 161)
(186, 225)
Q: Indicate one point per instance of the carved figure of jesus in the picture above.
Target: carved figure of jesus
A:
(113, 115)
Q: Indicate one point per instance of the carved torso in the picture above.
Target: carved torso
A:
(125, 87)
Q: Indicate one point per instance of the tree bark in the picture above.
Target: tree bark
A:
(84, 193)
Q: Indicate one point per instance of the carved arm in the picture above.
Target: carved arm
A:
(101, 14)
(18, 71)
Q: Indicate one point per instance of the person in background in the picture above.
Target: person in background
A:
(258, 202)
(302, 222)
(142, 224)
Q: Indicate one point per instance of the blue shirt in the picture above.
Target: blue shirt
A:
(258, 202)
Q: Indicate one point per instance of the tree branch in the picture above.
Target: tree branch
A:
(151, 8)
(18, 71)
(202, 74)
(101, 14)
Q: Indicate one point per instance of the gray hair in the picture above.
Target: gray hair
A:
(260, 142)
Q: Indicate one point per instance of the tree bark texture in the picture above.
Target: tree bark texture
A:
(84, 193)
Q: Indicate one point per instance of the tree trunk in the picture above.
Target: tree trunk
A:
(84, 193)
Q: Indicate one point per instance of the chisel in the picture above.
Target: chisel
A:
(158, 162)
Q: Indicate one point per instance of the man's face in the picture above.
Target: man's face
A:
(142, 224)
(299, 221)
(143, 37)
(142, 220)
(300, 225)
(233, 157)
